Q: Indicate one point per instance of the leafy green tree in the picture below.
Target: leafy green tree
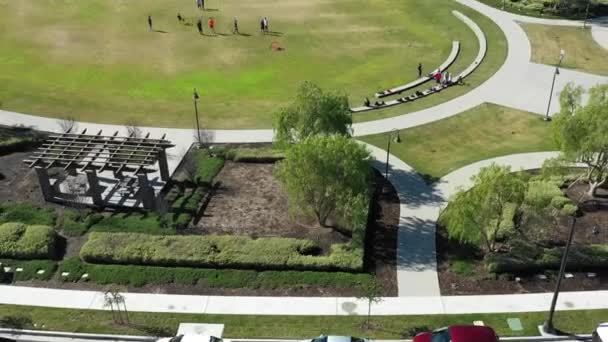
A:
(475, 215)
(313, 112)
(371, 291)
(581, 132)
(326, 174)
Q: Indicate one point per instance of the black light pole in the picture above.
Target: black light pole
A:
(503, 5)
(195, 98)
(586, 14)
(561, 58)
(548, 325)
(388, 147)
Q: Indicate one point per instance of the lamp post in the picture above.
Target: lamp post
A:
(195, 98)
(393, 134)
(548, 325)
(562, 54)
(503, 4)
(586, 14)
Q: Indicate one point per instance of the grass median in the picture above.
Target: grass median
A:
(248, 326)
(483, 132)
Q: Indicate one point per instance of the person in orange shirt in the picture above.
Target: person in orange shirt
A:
(212, 24)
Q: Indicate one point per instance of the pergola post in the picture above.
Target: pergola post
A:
(146, 192)
(94, 188)
(163, 166)
(45, 183)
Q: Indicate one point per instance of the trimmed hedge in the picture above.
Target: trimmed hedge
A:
(26, 213)
(255, 155)
(30, 269)
(20, 241)
(212, 278)
(527, 257)
(207, 167)
(217, 251)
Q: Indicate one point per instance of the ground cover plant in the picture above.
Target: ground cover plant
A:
(21, 241)
(14, 139)
(30, 269)
(109, 82)
(582, 52)
(481, 133)
(300, 327)
(26, 213)
(217, 251)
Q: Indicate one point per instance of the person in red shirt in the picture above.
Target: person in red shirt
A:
(212, 24)
(438, 77)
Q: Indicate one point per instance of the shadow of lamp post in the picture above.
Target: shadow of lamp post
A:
(548, 325)
(392, 135)
(562, 54)
(195, 98)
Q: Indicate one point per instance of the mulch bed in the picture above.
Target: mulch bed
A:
(594, 214)
(18, 182)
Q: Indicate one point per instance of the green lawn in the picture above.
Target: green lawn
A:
(582, 52)
(96, 61)
(240, 326)
(533, 10)
(483, 132)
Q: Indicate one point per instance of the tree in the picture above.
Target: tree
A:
(313, 112)
(475, 215)
(67, 124)
(581, 132)
(372, 292)
(326, 174)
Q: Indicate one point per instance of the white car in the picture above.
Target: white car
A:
(190, 338)
(331, 338)
(601, 333)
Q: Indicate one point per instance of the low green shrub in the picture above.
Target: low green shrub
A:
(558, 202)
(217, 251)
(31, 268)
(188, 203)
(255, 155)
(463, 267)
(19, 321)
(20, 241)
(531, 258)
(570, 209)
(207, 167)
(134, 223)
(26, 213)
(213, 278)
(541, 193)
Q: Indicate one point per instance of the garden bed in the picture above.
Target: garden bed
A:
(462, 270)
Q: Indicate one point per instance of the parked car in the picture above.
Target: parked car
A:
(459, 333)
(601, 333)
(332, 338)
(190, 338)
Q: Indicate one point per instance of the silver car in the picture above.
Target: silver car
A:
(333, 338)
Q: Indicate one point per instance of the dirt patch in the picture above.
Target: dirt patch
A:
(19, 183)
(551, 228)
(249, 201)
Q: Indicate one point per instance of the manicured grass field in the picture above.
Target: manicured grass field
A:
(240, 326)
(582, 52)
(483, 132)
(96, 61)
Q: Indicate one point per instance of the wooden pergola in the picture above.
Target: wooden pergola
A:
(95, 153)
(102, 152)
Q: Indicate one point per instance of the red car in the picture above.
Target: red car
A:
(459, 333)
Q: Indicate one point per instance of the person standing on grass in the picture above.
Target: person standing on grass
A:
(150, 23)
(211, 23)
(262, 25)
(179, 17)
(235, 26)
(199, 26)
(266, 24)
(419, 70)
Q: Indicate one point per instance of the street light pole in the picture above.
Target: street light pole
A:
(555, 73)
(548, 325)
(586, 14)
(195, 98)
(388, 148)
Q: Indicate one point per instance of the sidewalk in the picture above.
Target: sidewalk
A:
(310, 306)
